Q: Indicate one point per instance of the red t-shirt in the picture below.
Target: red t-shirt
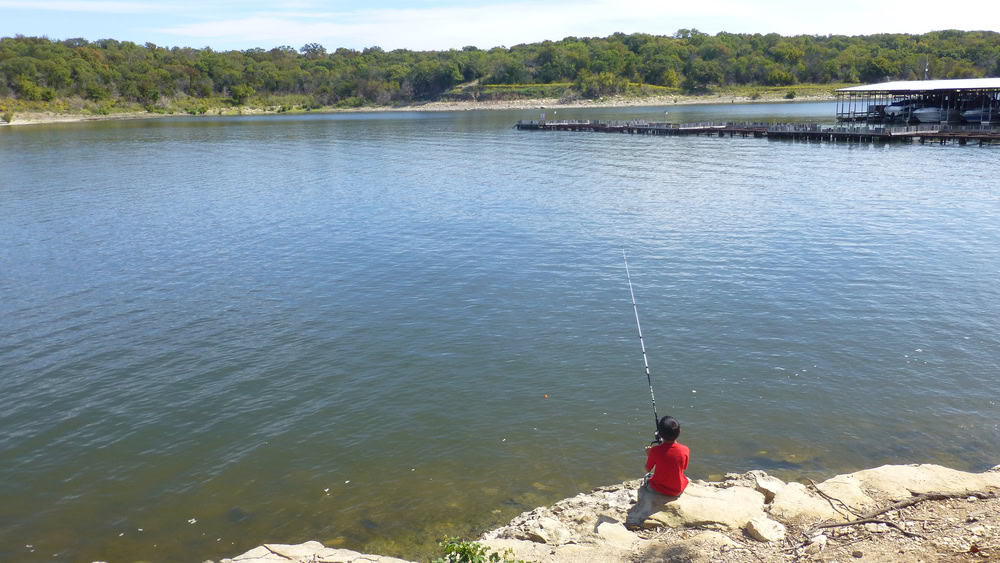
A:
(670, 460)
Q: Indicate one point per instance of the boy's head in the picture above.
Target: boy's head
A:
(668, 428)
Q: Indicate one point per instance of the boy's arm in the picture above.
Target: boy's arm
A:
(650, 463)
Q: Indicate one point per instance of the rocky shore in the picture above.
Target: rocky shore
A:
(38, 117)
(889, 513)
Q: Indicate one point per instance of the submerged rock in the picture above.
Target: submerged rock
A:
(237, 515)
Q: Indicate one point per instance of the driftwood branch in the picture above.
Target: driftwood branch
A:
(870, 521)
(870, 518)
(918, 498)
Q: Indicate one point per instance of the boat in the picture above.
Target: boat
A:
(935, 115)
(901, 108)
(981, 115)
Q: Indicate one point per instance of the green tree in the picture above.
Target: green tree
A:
(701, 73)
(599, 85)
(241, 93)
(313, 50)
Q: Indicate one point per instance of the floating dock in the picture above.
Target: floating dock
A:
(982, 135)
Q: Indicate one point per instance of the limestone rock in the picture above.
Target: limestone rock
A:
(710, 507)
(548, 530)
(701, 548)
(898, 481)
(308, 552)
(764, 529)
(579, 516)
(615, 534)
(847, 488)
(796, 504)
(767, 485)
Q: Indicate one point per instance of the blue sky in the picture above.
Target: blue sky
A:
(443, 24)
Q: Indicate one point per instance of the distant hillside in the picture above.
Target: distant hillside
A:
(109, 72)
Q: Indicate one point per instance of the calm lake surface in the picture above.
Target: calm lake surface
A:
(219, 332)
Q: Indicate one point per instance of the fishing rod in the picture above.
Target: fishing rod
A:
(642, 344)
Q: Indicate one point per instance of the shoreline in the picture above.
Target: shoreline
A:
(916, 512)
(47, 117)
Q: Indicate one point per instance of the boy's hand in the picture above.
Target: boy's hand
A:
(649, 447)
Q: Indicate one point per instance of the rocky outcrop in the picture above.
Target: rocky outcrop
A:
(751, 507)
(896, 482)
(745, 517)
(574, 520)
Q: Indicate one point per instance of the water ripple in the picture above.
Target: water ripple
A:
(203, 314)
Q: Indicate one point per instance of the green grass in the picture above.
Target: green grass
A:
(484, 92)
(774, 92)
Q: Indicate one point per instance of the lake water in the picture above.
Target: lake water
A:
(216, 332)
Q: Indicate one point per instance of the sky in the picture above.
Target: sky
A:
(447, 24)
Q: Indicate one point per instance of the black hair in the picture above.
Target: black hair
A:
(668, 428)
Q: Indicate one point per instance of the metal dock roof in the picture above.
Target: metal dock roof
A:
(914, 86)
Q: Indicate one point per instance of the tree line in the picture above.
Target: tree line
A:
(38, 68)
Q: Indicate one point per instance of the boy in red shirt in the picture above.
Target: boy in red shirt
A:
(670, 459)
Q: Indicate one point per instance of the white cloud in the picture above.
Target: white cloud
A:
(106, 7)
(446, 27)
(510, 22)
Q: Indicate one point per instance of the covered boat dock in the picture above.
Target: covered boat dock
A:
(969, 101)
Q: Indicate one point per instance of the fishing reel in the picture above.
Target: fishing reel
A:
(656, 439)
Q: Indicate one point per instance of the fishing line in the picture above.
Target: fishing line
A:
(642, 344)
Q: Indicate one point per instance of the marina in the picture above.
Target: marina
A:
(963, 111)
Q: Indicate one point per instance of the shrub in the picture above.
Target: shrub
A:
(458, 551)
(790, 95)
(351, 102)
